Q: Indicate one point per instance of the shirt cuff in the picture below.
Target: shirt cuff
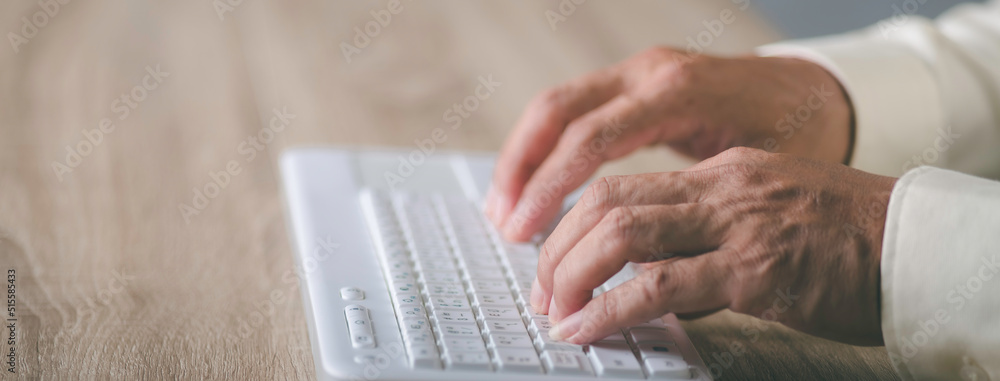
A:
(897, 106)
(940, 271)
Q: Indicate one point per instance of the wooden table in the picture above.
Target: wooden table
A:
(116, 279)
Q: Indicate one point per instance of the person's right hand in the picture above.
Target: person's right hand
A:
(699, 106)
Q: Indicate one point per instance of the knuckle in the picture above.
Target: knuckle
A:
(582, 131)
(621, 226)
(547, 99)
(599, 196)
(657, 284)
(547, 260)
(741, 153)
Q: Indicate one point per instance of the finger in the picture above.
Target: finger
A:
(538, 130)
(630, 234)
(685, 285)
(600, 198)
(609, 132)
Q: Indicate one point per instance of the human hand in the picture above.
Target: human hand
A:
(699, 106)
(746, 226)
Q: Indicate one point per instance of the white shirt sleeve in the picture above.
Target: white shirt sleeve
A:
(941, 276)
(928, 93)
(924, 92)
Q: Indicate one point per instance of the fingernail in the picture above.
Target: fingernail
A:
(554, 312)
(536, 295)
(567, 328)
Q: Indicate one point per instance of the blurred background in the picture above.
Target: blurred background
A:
(115, 114)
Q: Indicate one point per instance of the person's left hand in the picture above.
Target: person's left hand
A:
(751, 231)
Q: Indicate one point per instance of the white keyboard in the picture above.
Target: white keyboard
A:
(459, 294)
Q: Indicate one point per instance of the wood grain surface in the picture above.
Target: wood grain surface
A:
(115, 281)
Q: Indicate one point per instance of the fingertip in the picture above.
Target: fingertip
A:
(503, 206)
(489, 203)
(536, 295)
(567, 329)
(554, 315)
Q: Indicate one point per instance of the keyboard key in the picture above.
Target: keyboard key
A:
(615, 337)
(523, 287)
(524, 274)
(352, 293)
(518, 360)
(649, 335)
(488, 286)
(413, 312)
(468, 360)
(403, 288)
(436, 265)
(499, 313)
(500, 300)
(418, 337)
(516, 340)
(540, 324)
(459, 330)
(454, 345)
(545, 343)
(481, 261)
(440, 277)
(496, 327)
(411, 299)
(482, 273)
(453, 316)
(416, 323)
(424, 357)
(566, 363)
(439, 251)
(359, 326)
(450, 290)
(659, 350)
(666, 368)
(437, 303)
(614, 360)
